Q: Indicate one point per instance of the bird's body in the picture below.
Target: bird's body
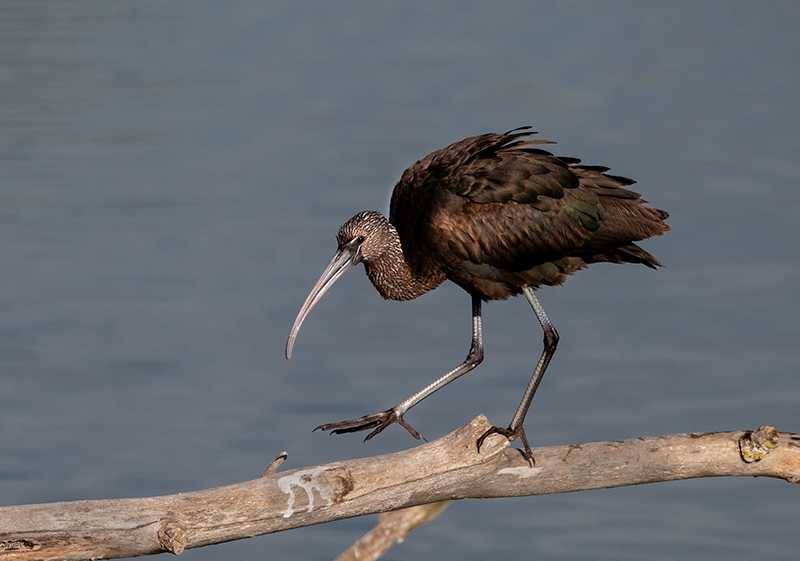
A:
(498, 218)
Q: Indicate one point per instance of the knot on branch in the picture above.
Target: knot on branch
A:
(173, 536)
(755, 445)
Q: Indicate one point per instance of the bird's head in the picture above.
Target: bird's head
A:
(368, 231)
(360, 239)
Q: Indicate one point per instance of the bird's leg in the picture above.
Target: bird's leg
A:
(380, 421)
(515, 429)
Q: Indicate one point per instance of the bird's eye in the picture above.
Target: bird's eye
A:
(360, 239)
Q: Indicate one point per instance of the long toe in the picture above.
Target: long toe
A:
(511, 435)
(377, 421)
(354, 425)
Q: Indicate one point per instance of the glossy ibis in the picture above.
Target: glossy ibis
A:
(498, 218)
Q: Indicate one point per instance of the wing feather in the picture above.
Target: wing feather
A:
(492, 209)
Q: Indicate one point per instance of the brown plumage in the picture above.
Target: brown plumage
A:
(497, 217)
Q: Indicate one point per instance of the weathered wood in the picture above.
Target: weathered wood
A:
(448, 469)
(391, 528)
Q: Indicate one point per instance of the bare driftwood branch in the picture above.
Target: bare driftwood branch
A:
(391, 528)
(448, 469)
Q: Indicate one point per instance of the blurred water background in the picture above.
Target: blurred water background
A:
(172, 175)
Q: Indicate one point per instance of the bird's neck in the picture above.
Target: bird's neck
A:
(392, 276)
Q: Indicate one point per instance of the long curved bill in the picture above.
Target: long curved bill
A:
(344, 258)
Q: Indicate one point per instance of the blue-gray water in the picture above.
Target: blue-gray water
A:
(172, 175)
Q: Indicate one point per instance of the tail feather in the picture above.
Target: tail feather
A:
(630, 253)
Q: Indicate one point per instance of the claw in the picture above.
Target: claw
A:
(511, 435)
(380, 420)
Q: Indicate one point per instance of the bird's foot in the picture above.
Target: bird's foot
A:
(378, 421)
(511, 435)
